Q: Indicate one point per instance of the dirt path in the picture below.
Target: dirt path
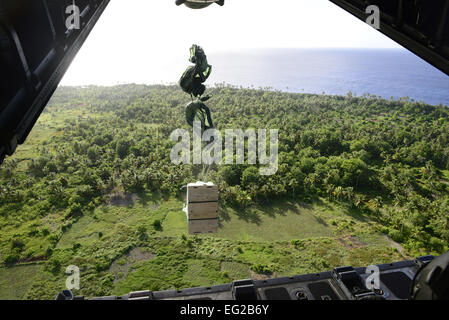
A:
(396, 245)
(351, 242)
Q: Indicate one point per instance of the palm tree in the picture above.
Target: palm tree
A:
(349, 193)
(338, 192)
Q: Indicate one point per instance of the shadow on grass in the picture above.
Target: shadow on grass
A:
(249, 215)
(323, 204)
(320, 220)
(279, 207)
(356, 213)
(223, 214)
(353, 212)
(146, 199)
(252, 214)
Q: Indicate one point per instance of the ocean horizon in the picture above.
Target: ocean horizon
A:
(388, 73)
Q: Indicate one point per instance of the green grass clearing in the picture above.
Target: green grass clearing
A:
(15, 281)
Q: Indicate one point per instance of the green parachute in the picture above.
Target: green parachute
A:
(198, 111)
(191, 82)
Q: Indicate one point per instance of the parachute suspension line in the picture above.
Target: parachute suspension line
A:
(204, 176)
(209, 118)
(206, 167)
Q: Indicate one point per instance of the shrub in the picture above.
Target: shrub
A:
(48, 252)
(157, 224)
(54, 266)
(74, 210)
(142, 232)
(122, 148)
(396, 235)
(298, 243)
(250, 177)
(17, 244)
(230, 174)
(262, 268)
(11, 259)
(45, 231)
(93, 153)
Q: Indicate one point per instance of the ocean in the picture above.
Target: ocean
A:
(388, 73)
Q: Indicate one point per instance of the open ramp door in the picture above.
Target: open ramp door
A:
(36, 49)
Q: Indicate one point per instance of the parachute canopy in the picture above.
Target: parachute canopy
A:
(198, 111)
(193, 78)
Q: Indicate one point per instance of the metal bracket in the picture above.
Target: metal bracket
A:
(244, 290)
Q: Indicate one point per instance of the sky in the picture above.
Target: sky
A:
(137, 41)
